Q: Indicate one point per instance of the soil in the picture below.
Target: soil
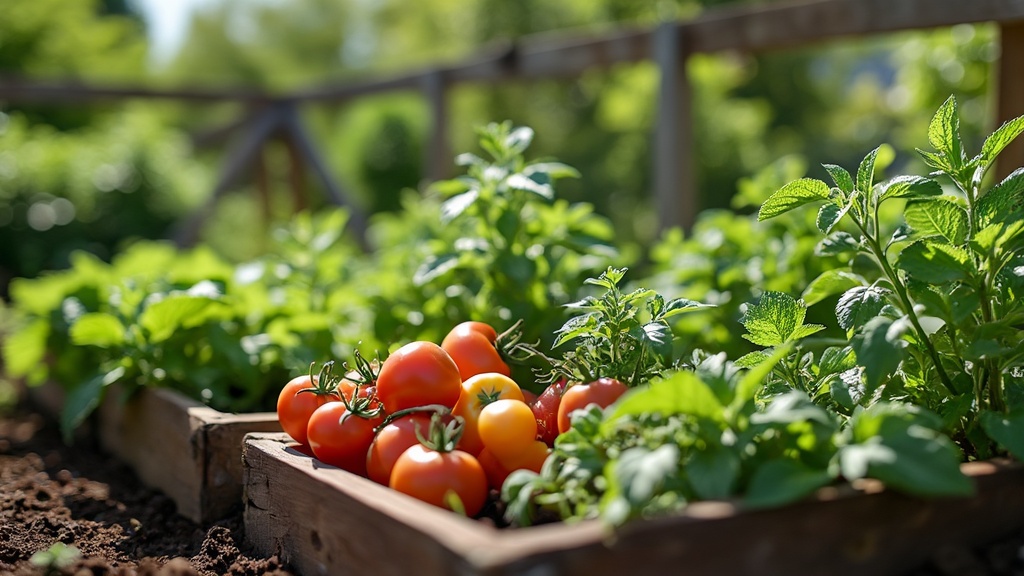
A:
(52, 495)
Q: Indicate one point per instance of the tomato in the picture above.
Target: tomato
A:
(529, 396)
(602, 392)
(340, 433)
(391, 441)
(472, 346)
(477, 392)
(532, 458)
(430, 476)
(545, 411)
(418, 374)
(300, 397)
(496, 472)
(507, 428)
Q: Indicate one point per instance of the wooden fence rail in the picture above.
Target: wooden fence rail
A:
(565, 55)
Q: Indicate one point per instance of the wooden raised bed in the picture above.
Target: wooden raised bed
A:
(323, 520)
(189, 451)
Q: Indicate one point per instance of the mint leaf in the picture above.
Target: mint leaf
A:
(829, 283)
(792, 195)
(866, 171)
(774, 319)
(918, 461)
(680, 393)
(781, 482)
(97, 329)
(935, 263)
(879, 350)
(858, 305)
(829, 215)
(841, 177)
(837, 243)
(944, 133)
(453, 207)
(909, 187)
(1002, 137)
(1006, 429)
(940, 217)
(847, 387)
(1005, 201)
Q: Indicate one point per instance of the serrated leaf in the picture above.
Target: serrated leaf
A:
(866, 172)
(909, 187)
(940, 217)
(773, 319)
(834, 360)
(1005, 201)
(830, 283)
(836, 243)
(878, 351)
(792, 195)
(847, 387)
(453, 207)
(805, 331)
(859, 305)
(841, 177)
(944, 132)
(935, 263)
(937, 161)
(434, 267)
(779, 482)
(829, 215)
(753, 379)
(1002, 137)
(97, 329)
(677, 306)
(1006, 429)
(575, 326)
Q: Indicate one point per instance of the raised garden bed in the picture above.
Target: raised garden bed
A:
(177, 445)
(323, 520)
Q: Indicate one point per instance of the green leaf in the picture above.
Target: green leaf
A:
(528, 184)
(97, 329)
(1005, 201)
(879, 350)
(25, 348)
(1006, 429)
(841, 177)
(640, 473)
(713, 473)
(805, 331)
(866, 171)
(1002, 137)
(434, 267)
(793, 407)
(847, 387)
(453, 207)
(553, 170)
(83, 399)
(573, 327)
(941, 217)
(829, 215)
(910, 458)
(751, 382)
(774, 319)
(830, 283)
(935, 263)
(679, 393)
(944, 132)
(858, 305)
(781, 482)
(162, 319)
(837, 243)
(677, 306)
(792, 195)
(909, 187)
(835, 360)
(519, 139)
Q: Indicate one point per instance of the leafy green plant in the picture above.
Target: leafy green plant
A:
(55, 558)
(931, 306)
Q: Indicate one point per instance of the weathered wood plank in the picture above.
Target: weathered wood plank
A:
(187, 450)
(675, 183)
(1011, 93)
(323, 520)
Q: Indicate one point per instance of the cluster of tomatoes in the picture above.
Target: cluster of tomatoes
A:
(445, 424)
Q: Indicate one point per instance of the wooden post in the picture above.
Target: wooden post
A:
(1011, 93)
(675, 191)
(437, 158)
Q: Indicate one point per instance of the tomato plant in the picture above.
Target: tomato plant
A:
(301, 396)
(391, 441)
(439, 474)
(602, 392)
(473, 346)
(478, 392)
(418, 374)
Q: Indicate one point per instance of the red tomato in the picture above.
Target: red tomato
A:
(507, 428)
(418, 374)
(295, 407)
(472, 346)
(495, 471)
(341, 438)
(545, 411)
(391, 441)
(602, 392)
(430, 476)
(477, 392)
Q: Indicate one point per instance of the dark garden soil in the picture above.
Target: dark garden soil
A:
(51, 493)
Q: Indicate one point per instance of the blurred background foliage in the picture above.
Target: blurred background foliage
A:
(100, 176)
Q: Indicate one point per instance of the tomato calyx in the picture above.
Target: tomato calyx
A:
(365, 371)
(442, 436)
(324, 383)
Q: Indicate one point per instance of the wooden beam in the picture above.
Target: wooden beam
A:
(675, 190)
(75, 92)
(437, 159)
(1011, 93)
